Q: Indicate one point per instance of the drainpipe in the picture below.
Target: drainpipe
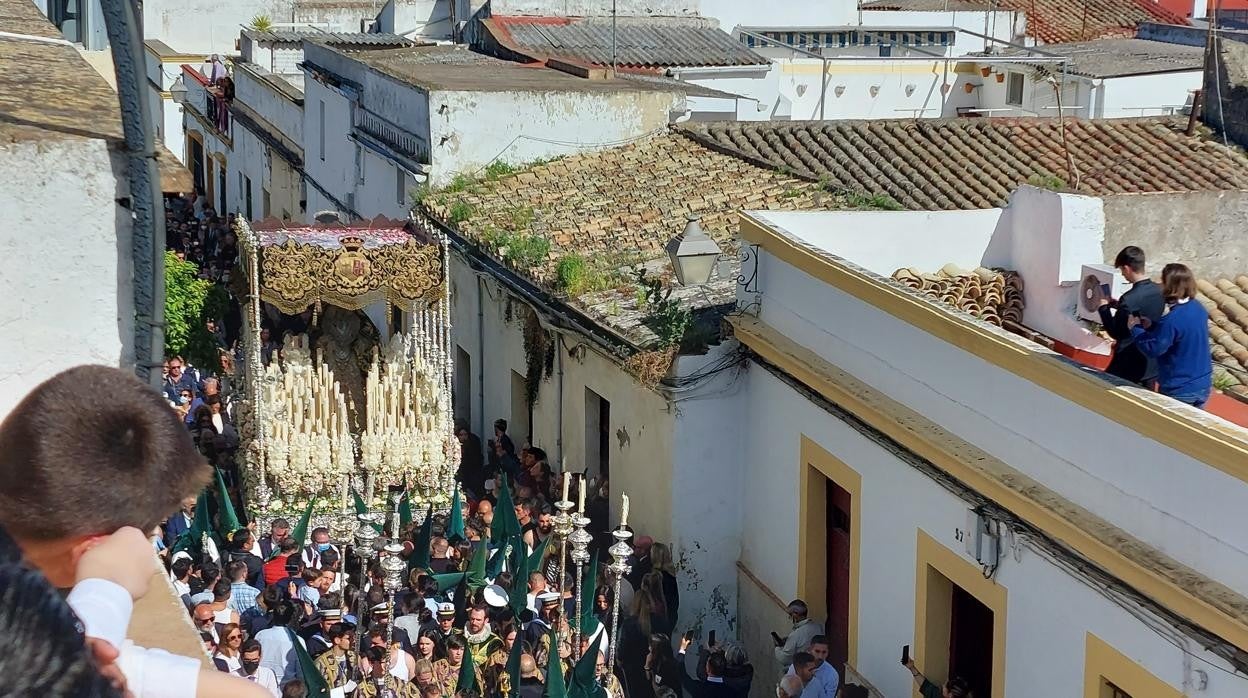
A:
(559, 433)
(123, 23)
(480, 356)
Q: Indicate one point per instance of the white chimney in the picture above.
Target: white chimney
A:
(1200, 9)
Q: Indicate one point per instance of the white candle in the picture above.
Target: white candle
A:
(624, 512)
(580, 497)
(567, 479)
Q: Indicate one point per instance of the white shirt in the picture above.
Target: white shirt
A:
(104, 609)
(265, 677)
(277, 653)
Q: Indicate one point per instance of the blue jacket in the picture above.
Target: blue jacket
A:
(1180, 343)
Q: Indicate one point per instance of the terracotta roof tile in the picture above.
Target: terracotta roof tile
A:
(950, 164)
(1055, 21)
(1227, 303)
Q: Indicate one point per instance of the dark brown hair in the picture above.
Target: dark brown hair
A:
(1177, 282)
(70, 469)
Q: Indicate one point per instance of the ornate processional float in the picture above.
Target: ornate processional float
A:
(348, 369)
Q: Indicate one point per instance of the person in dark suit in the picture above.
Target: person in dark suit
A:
(1143, 298)
(713, 685)
(180, 522)
(278, 530)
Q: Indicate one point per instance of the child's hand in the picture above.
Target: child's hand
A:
(125, 558)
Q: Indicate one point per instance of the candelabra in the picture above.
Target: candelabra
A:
(562, 529)
(364, 537)
(619, 567)
(580, 539)
(392, 569)
(395, 496)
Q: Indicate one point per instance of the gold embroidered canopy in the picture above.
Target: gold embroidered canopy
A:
(347, 265)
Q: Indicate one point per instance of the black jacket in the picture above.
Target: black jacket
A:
(1129, 363)
(707, 688)
(531, 688)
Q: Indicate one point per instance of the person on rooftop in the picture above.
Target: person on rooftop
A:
(1179, 341)
(1143, 298)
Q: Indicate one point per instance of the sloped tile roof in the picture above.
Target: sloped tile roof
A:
(950, 164)
(1227, 303)
(1108, 58)
(1055, 21)
(632, 198)
(296, 36)
(641, 42)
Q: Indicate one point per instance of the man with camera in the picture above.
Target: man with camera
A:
(804, 630)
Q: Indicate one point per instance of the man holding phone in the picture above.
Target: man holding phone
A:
(804, 630)
(1143, 299)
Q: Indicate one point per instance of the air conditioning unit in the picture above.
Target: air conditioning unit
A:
(1096, 277)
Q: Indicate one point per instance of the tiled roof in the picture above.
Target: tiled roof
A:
(295, 36)
(641, 42)
(992, 295)
(1108, 58)
(48, 92)
(621, 203)
(950, 164)
(1227, 303)
(1055, 21)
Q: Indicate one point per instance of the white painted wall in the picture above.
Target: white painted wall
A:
(469, 130)
(1088, 98)
(1003, 26)
(792, 90)
(1129, 480)
(707, 494)
(72, 271)
(1049, 611)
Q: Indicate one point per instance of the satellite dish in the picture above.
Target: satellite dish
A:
(1091, 293)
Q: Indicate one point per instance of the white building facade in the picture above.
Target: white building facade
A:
(923, 479)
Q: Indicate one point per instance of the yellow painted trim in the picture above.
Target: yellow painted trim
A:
(997, 481)
(1104, 663)
(812, 538)
(1221, 446)
(932, 556)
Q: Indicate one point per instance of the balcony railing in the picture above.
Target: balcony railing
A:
(217, 109)
(392, 136)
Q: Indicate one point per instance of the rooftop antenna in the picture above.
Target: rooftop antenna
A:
(613, 38)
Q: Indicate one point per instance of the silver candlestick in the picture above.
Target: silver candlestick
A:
(619, 567)
(363, 538)
(562, 529)
(580, 539)
(392, 569)
(394, 497)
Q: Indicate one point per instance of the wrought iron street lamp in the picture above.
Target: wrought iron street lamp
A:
(693, 254)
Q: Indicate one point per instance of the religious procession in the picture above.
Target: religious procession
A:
(386, 551)
(335, 532)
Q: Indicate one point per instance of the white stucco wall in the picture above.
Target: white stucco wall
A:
(1089, 98)
(855, 89)
(68, 269)
(1126, 478)
(469, 130)
(1049, 611)
(1004, 26)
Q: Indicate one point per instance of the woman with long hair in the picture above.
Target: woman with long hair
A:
(661, 667)
(634, 642)
(428, 646)
(661, 561)
(1179, 341)
(661, 621)
(229, 649)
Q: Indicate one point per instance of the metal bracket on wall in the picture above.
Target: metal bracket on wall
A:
(749, 274)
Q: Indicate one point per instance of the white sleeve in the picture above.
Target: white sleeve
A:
(104, 608)
(153, 673)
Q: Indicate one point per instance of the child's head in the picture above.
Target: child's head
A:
(71, 471)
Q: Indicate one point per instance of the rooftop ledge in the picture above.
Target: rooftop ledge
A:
(1196, 433)
(160, 621)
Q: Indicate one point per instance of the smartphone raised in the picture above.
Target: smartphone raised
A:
(1105, 291)
(905, 654)
(710, 639)
(777, 639)
(689, 635)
